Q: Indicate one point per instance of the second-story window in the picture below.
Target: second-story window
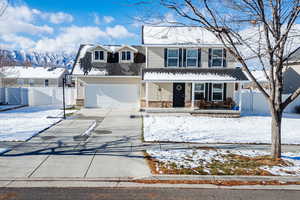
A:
(192, 57)
(126, 56)
(98, 55)
(173, 57)
(217, 58)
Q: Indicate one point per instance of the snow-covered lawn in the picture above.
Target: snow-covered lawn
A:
(247, 129)
(224, 162)
(21, 124)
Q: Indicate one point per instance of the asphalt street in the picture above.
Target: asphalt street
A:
(143, 194)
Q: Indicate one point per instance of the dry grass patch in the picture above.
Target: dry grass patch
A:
(224, 164)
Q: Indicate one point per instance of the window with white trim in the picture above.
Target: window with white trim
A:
(99, 55)
(199, 91)
(217, 91)
(217, 58)
(173, 57)
(126, 56)
(192, 57)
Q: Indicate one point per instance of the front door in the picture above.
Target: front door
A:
(178, 94)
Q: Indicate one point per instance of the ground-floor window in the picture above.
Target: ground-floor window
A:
(199, 91)
(217, 91)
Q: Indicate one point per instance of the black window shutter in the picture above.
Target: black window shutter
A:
(206, 91)
(184, 58)
(209, 57)
(225, 92)
(180, 57)
(199, 57)
(210, 91)
(224, 58)
(116, 57)
(166, 56)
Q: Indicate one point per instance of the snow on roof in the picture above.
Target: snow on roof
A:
(127, 46)
(32, 72)
(168, 35)
(258, 74)
(165, 76)
(97, 72)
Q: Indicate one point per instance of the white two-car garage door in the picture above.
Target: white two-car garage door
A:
(110, 95)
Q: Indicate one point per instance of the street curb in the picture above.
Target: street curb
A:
(226, 178)
(128, 184)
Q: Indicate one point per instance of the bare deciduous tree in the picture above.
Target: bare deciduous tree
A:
(273, 22)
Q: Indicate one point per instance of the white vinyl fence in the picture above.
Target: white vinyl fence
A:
(37, 96)
(254, 102)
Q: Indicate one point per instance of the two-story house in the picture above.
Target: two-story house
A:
(174, 67)
(188, 67)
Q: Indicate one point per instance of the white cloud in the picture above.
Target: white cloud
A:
(19, 24)
(71, 37)
(21, 19)
(18, 41)
(118, 31)
(108, 19)
(69, 40)
(58, 18)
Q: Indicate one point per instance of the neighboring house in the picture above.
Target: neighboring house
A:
(174, 67)
(260, 77)
(23, 76)
(292, 74)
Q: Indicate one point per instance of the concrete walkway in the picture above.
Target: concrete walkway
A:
(59, 152)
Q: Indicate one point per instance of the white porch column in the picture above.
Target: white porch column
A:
(147, 94)
(193, 94)
(240, 96)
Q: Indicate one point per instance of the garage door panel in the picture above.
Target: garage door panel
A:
(112, 95)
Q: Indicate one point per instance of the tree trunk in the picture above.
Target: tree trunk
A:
(276, 134)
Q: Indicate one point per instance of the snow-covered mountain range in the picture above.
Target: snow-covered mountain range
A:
(19, 57)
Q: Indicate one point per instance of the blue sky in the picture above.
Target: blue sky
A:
(60, 26)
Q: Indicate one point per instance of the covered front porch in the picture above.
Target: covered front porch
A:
(197, 93)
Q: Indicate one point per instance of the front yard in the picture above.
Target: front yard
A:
(195, 129)
(21, 124)
(222, 162)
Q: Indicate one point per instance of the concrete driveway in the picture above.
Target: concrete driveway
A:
(109, 152)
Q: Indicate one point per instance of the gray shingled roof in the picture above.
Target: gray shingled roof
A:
(236, 73)
(291, 81)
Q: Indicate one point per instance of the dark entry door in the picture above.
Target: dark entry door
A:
(178, 94)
